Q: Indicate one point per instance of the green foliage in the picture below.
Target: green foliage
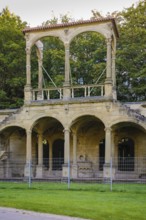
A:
(64, 18)
(12, 59)
(88, 54)
(53, 60)
(131, 53)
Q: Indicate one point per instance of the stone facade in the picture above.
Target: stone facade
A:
(84, 132)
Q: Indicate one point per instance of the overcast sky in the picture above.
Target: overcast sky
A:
(34, 12)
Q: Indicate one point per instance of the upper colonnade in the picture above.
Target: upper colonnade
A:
(66, 33)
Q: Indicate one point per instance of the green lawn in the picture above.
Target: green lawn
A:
(93, 201)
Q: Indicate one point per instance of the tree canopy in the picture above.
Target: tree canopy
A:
(131, 53)
(87, 56)
(12, 60)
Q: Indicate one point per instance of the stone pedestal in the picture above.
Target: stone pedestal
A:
(74, 171)
(65, 170)
(28, 171)
(27, 94)
(114, 92)
(108, 172)
(85, 169)
(66, 91)
(40, 95)
(108, 89)
(39, 171)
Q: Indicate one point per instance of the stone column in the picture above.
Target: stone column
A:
(108, 81)
(74, 166)
(107, 171)
(114, 73)
(74, 148)
(28, 89)
(66, 152)
(40, 74)
(66, 90)
(28, 66)
(28, 153)
(109, 59)
(39, 170)
(113, 154)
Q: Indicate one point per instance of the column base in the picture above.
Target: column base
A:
(108, 173)
(74, 171)
(28, 171)
(108, 88)
(40, 95)
(27, 94)
(66, 91)
(65, 170)
(114, 93)
(39, 171)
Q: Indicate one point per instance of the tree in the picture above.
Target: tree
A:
(88, 57)
(131, 53)
(12, 60)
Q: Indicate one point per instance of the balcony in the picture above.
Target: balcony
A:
(77, 91)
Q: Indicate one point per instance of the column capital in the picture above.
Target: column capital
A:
(29, 131)
(109, 40)
(66, 129)
(28, 50)
(108, 129)
(67, 44)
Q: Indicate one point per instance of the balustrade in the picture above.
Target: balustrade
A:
(77, 91)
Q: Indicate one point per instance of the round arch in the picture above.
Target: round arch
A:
(38, 118)
(12, 125)
(83, 116)
(82, 30)
(61, 34)
(123, 122)
(34, 38)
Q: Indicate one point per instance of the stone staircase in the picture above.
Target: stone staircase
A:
(132, 113)
(12, 116)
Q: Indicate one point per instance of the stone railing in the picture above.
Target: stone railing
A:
(78, 91)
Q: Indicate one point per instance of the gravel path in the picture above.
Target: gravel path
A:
(13, 214)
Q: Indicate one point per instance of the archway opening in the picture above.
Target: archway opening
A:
(46, 130)
(12, 151)
(58, 154)
(126, 154)
(88, 58)
(89, 132)
(51, 62)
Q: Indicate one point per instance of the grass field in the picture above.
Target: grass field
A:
(90, 201)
